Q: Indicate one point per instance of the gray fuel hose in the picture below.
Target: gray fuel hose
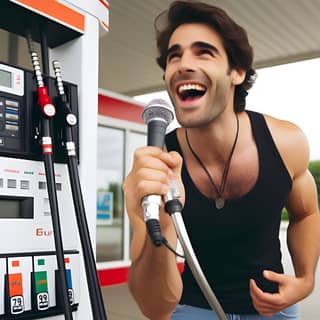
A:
(174, 208)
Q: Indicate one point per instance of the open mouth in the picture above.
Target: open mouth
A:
(190, 91)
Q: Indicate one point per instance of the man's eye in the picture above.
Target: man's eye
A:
(172, 56)
(206, 51)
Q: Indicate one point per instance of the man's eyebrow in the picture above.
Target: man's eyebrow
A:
(205, 45)
(194, 45)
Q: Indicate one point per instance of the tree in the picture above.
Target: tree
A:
(314, 167)
(115, 188)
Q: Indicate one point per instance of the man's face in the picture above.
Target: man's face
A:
(197, 75)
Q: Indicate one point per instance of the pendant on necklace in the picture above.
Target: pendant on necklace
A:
(219, 203)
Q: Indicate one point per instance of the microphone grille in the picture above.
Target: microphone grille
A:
(157, 109)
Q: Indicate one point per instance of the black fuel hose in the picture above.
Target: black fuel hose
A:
(47, 113)
(96, 300)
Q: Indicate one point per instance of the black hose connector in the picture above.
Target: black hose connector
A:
(173, 206)
(153, 227)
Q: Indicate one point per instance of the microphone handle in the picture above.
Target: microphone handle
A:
(151, 206)
(156, 132)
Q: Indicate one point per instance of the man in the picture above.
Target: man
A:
(239, 170)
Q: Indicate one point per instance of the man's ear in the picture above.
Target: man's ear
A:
(238, 76)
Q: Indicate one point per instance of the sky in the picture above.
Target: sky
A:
(290, 92)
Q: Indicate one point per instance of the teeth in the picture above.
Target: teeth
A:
(185, 87)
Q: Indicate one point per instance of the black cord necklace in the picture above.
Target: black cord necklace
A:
(219, 201)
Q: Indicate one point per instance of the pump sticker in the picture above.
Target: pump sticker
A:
(16, 293)
(41, 287)
(46, 145)
(44, 282)
(69, 282)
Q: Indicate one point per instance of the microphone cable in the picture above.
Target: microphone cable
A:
(173, 207)
(70, 120)
(48, 111)
(151, 205)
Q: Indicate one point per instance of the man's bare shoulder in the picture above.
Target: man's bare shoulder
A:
(291, 143)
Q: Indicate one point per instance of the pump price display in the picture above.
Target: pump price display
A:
(42, 301)
(17, 304)
(11, 80)
(5, 78)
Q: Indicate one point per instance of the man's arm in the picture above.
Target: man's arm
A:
(303, 235)
(154, 279)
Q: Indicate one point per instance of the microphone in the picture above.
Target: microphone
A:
(157, 114)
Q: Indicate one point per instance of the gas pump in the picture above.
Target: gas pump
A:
(41, 260)
(30, 286)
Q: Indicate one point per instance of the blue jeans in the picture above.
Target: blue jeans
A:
(185, 312)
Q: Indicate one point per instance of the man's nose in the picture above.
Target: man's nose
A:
(186, 62)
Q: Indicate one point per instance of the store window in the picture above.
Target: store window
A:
(110, 217)
(135, 140)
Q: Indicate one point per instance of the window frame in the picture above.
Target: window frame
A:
(128, 127)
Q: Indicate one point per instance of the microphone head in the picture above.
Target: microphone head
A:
(158, 109)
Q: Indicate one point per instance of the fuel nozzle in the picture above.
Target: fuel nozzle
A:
(44, 100)
(70, 118)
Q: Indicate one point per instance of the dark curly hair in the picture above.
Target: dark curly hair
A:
(234, 38)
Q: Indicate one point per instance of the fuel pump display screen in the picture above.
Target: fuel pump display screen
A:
(16, 208)
(9, 208)
(5, 78)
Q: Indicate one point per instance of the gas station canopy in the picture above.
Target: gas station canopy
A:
(280, 31)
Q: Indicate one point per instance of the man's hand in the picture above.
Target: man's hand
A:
(150, 174)
(291, 290)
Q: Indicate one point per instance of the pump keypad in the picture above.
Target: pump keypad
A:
(10, 127)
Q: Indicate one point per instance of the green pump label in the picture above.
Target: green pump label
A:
(41, 288)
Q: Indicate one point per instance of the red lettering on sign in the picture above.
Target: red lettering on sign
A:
(40, 232)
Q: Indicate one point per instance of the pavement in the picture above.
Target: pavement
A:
(120, 304)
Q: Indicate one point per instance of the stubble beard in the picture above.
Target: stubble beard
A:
(204, 120)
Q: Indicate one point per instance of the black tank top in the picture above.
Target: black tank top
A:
(238, 242)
